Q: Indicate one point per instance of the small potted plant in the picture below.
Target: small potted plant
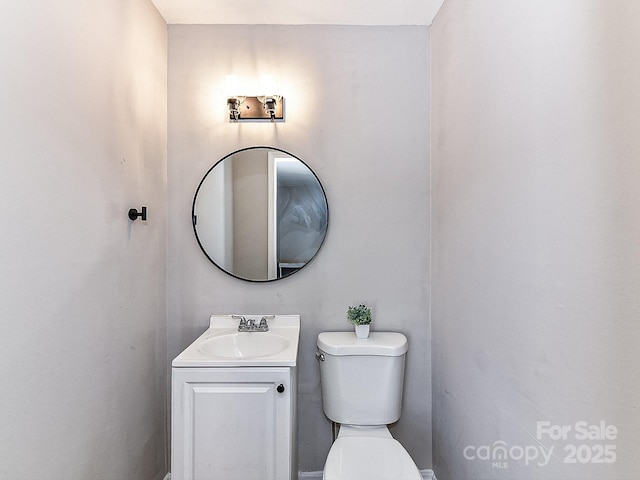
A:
(360, 316)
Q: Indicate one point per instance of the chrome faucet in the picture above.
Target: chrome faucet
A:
(243, 322)
(249, 324)
(263, 327)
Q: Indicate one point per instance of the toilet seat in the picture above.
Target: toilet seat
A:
(369, 458)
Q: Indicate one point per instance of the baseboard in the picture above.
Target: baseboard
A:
(309, 475)
(426, 475)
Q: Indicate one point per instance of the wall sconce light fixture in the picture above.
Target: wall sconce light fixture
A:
(234, 107)
(255, 109)
(270, 105)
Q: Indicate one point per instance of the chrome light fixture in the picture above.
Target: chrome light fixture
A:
(270, 105)
(256, 109)
(233, 103)
(244, 108)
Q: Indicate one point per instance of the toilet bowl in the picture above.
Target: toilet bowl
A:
(368, 455)
(362, 391)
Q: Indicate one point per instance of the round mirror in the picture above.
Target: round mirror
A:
(260, 214)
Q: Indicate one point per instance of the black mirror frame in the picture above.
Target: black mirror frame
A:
(193, 214)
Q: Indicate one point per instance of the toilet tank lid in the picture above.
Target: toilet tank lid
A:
(388, 344)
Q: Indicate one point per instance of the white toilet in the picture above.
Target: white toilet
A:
(362, 390)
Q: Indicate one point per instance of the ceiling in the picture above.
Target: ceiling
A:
(299, 12)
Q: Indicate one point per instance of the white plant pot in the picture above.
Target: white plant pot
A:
(362, 331)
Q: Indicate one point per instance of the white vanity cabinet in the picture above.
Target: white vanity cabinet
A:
(233, 403)
(233, 423)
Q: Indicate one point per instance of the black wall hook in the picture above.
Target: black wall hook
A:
(133, 214)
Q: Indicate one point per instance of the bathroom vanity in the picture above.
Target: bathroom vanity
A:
(234, 402)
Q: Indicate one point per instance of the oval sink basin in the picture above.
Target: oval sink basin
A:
(244, 345)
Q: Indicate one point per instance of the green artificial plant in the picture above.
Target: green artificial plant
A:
(360, 315)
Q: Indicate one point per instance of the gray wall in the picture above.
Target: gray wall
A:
(358, 114)
(83, 120)
(536, 227)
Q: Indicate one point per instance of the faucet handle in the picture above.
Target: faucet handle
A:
(243, 321)
(263, 322)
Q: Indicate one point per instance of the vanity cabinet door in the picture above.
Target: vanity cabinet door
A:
(232, 423)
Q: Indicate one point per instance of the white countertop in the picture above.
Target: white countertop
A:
(285, 326)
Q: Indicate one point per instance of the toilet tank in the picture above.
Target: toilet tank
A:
(362, 378)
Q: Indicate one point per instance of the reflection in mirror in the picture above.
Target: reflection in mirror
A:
(260, 214)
